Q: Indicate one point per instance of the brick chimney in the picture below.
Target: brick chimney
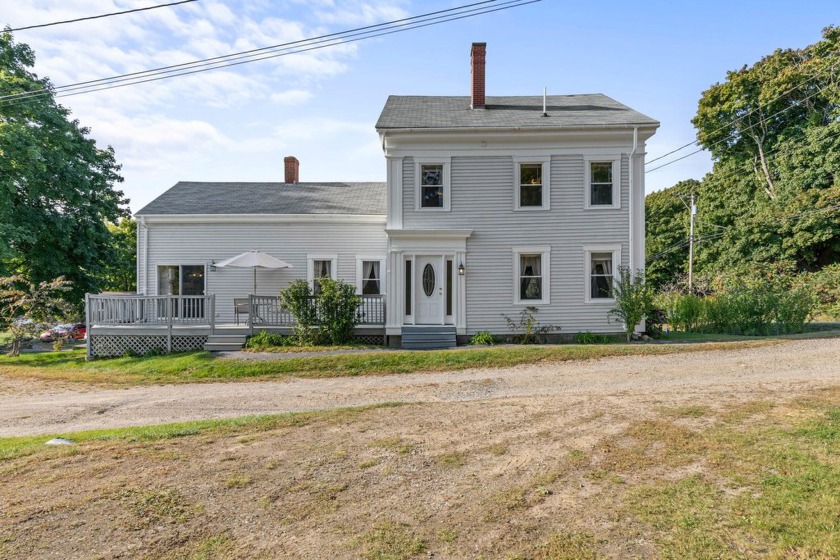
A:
(477, 56)
(292, 166)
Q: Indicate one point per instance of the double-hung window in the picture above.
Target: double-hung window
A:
(602, 179)
(320, 266)
(369, 275)
(531, 184)
(531, 275)
(433, 188)
(601, 266)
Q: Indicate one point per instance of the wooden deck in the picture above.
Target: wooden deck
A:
(123, 324)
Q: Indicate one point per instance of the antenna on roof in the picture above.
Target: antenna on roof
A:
(545, 93)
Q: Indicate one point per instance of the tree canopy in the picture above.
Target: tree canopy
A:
(56, 186)
(773, 196)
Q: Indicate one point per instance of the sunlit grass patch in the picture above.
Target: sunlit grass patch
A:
(204, 366)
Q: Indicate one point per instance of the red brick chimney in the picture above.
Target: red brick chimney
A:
(292, 169)
(477, 56)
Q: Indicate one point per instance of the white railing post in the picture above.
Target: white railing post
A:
(251, 314)
(169, 325)
(88, 333)
(212, 313)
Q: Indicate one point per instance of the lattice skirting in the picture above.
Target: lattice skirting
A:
(110, 345)
(376, 339)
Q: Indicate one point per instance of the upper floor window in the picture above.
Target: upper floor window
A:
(433, 188)
(531, 189)
(602, 183)
(530, 184)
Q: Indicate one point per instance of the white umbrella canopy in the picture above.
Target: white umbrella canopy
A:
(255, 260)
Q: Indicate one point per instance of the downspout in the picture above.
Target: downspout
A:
(630, 197)
(145, 256)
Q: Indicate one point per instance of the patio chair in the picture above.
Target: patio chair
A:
(241, 306)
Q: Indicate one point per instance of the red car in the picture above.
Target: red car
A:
(71, 331)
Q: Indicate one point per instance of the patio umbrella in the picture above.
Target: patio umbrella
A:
(255, 260)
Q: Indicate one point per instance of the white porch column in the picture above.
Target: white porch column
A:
(395, 298)
(461, 293)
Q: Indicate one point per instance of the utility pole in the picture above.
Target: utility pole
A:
(693, 212)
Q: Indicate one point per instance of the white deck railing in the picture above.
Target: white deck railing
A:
(268, 311)
(122, 310)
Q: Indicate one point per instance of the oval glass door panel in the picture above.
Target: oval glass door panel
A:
(428, 280)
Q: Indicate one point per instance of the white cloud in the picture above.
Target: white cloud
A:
(291, 97)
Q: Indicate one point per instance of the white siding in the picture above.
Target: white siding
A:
(201, 243)
(482, 200)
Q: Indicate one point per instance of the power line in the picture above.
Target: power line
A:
(274, 51)
(102, 16)
(695, 142)
(667, 163)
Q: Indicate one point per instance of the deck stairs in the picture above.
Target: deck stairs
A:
(226, 340)
(428, 338)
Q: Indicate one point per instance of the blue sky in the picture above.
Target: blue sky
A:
(237, 124)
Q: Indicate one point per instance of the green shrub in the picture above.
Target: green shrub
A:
(633, 299)
(527, 330)
(761, 305)
(684, 312)
(327, 318)
(298, 299)
(825, 285)
(265, 339)
(482, 337)
(337, 311)
(587, 337)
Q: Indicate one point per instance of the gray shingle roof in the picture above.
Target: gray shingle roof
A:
(564, 111)
(269, 198)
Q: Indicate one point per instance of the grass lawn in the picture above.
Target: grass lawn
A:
(730, 477)
(203, 366)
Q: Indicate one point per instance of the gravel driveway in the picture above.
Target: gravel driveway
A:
(29, 408)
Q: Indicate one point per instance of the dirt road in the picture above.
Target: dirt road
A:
(29, 408)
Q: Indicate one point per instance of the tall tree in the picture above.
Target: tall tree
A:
(56, 186)
(120, 274)
(666, 232)
(772, 200)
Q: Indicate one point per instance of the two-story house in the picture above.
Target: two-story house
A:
(499, 203)
(491, 205)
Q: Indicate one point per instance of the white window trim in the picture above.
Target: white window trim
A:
(615, 159)
(310, 266)
(545, 252)
(447, 183)
(587, 266)
(545, 161)
(359, 270)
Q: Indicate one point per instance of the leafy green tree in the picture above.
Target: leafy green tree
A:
(56, 186)
(120, 272)
(27, 308)
(773, 197)
(666, 232)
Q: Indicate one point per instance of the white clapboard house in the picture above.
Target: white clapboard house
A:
(491, 205)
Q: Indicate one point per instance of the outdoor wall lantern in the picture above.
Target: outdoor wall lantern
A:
(213, 265)
(461, 269)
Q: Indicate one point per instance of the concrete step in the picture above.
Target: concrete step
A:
(225, 342)
(222, 347)
(428, 338)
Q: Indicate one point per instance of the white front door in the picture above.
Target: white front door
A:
(428, 285)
